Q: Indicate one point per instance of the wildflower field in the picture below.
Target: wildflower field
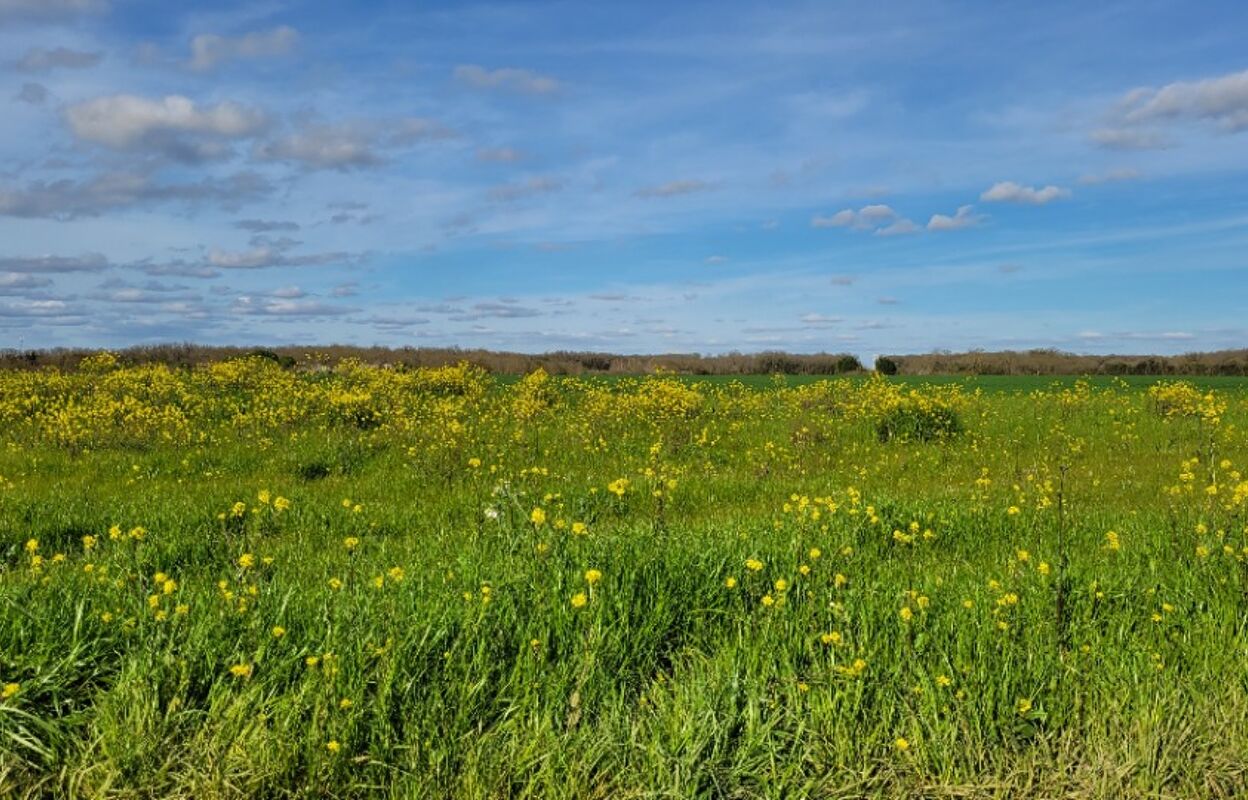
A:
(241, 580)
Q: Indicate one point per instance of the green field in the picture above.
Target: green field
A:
(244, 581)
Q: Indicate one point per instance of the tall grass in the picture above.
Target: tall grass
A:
(377, 583)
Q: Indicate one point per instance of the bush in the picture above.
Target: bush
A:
(914, 421)
(885, 366)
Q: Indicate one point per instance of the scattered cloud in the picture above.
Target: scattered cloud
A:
(496, 310)
(346, 146)
(90, 262)
(209, 50)
(279, 307)
(813, 320)
(673, 188)
(41, 59)
(715, 260)
(69, 199)
(499, 155)
(842, 280)
(965, 217)
(900, 227)
(34, 93)
(268, 256)
(512, 79)
(339, 147)
(1011, 192)
(531, 187)
(1179, 336)
(48, 10)
(265, 226)
(172, 125)
(878, 217)
(1222, 101)
(1128, 139)
(21, 283)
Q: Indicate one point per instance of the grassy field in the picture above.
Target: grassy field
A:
(242, 581)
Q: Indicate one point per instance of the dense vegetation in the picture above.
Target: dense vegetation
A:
(1016, 363)
(241, 580)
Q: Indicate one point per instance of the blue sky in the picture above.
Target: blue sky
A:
(644, 177)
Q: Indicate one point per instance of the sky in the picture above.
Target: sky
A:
(705, 177)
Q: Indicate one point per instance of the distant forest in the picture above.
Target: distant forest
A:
(1009, 362)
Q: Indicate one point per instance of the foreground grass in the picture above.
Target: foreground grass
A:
(244, 582)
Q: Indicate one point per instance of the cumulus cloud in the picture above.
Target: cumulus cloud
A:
(511, 192)
(673, 188)
(964, 217)
(69, 199)
(1011, 192)
(172, 125)
(512, 79)
(899, 227)
(40, 59)
(877, 216)
(1222, 101)
(208, 50)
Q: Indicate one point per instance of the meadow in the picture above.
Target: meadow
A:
(244, 580)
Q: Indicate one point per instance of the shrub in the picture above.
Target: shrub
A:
(918, 420)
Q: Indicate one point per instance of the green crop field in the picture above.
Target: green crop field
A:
(245, 581)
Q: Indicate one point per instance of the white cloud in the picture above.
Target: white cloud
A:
(340, 147)
(900, 227)
(1128, 139)
(18, 282)
(513, 79)
(814, 320)
(173, 125)
(349, 145)
(1222, 100)
(963, 218)
(208, 50)
(877, 216)
(268, 307)
(1011, 192)
(715, 260)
